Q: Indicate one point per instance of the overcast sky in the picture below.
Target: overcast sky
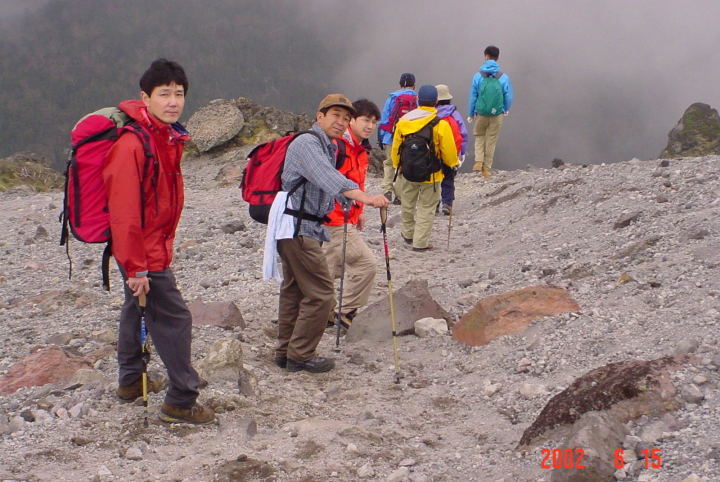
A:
(594, 80)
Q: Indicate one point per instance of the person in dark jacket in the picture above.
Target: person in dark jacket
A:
(143, 222)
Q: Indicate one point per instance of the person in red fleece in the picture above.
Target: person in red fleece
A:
(359, 259)
(143, 223)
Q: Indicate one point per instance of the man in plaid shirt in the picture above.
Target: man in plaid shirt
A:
(306, 293)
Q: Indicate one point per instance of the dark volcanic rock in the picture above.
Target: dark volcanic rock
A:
(632, 388)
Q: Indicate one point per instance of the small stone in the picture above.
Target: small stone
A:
(134, 453)
(233, 227)
(352, 448)
(77, 410)
(664, 163)
(699, 379)
(631, 442)
(620, 474)
(692, 394)
(661, 198)
(531, 390)
(426, 327)
(407, 462)
(62, 413)
(399, 475)
(104, 471)
(693, 478)
(687, 346)
(16, 424)
(366, 471)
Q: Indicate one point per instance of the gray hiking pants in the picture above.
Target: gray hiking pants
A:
(169, 324)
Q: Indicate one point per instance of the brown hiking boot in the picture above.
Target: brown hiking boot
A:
(129, 393)
(485, 172)
(478, 166)
(196, 414)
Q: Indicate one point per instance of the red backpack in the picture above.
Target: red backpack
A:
(85, 210)
(404, 103)
(261, 179)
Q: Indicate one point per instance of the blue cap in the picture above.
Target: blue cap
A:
(427, 94)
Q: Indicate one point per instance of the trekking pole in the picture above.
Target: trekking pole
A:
(391, 302)
(338, 315)
(449, 227)
(145, 341)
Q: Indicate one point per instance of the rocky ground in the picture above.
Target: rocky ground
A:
(635, 243)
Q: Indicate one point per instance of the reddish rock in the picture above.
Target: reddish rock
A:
(46, 365)
(216, 313)
(511, 313)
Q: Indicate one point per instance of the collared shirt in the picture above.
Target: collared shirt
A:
(309, 158)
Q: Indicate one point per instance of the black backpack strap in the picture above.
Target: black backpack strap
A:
(341, 154)
(105, 265)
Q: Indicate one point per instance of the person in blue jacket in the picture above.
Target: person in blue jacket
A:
(397, 104)
(487, 107)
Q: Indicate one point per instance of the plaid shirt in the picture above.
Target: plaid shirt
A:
(313, 160)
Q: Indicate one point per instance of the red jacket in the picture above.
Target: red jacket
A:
(354, 168)
(150, 248)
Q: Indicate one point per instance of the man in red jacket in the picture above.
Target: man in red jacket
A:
(359, 259)
(143, 223)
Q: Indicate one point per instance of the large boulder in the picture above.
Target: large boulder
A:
(696, 134)
(412, 302)
(46, 365)
(215, 124)
(223, 362)
(629, 389)
(510, 313)
(225, 314)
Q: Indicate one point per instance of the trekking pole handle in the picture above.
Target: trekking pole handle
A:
(383, 215)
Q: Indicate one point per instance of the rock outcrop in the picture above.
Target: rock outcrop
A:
(29, 171)
(696, 134)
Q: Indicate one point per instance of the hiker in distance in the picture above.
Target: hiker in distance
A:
(143, 223)
(421, 145)
(491, 96)
(397, 105)
(360, 264)
(306, 292)
(447, 111)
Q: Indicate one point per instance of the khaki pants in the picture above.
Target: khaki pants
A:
(487, 130)
(388, 175)
(418, 210)
(360, 266)
(306, 297)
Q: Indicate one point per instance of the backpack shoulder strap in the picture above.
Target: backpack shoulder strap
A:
(341, 154)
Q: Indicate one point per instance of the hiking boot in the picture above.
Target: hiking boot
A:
(478, 166)
(280, 361)
(197, 414)
(446, 209)
(485, 172)
(407, 240)
(129, 393)
(426, 248)
(317, 364)
(388, 195)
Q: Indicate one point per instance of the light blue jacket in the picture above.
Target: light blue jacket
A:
(491, 67)
(386, 137)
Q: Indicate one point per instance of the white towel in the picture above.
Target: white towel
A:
(280, 226)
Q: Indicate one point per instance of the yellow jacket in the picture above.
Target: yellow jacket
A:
(443, 139)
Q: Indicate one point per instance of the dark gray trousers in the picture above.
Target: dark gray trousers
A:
(169, 324)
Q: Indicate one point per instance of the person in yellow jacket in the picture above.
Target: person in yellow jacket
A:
(419, 198)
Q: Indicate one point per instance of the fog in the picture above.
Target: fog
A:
(593, 81)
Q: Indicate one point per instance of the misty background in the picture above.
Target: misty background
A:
(593, 81)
